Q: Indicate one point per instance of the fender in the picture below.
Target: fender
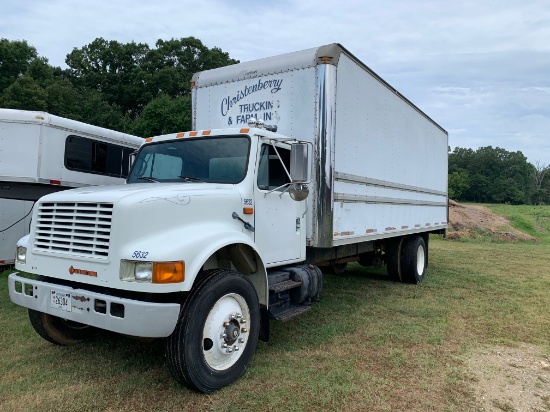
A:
(204, 244)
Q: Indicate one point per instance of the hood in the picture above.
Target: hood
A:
(140, 192)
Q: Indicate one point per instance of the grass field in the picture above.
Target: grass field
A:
(369, 345)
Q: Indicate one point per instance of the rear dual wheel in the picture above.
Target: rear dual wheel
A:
(406, 259)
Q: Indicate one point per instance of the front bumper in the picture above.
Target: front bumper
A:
(126, 316)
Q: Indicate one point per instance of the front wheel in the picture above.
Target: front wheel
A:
(217, 332)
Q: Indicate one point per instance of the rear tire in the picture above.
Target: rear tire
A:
(413, 259)
(393, 259)
(338, 268)
(217, 332)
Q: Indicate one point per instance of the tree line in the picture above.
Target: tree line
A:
(128, 87)
(495, 175)
(143, 90)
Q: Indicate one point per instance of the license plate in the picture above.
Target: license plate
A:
(61, 300)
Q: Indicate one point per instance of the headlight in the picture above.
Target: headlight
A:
(21, 254)
(152, 272)
(143, 271)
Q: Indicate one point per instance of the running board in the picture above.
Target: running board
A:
(291, 312)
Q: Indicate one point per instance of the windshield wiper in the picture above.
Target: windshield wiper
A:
(150, 179)
(191, 179)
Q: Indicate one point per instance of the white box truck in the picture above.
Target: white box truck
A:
(41, 153)
(222, 228)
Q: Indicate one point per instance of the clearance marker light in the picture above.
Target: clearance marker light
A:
(191, 134)
(325, 58)
(149, 139)
(245, 130)
(248, 210)
(180, 135)
(206, 132)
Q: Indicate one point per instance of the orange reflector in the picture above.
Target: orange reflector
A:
(192, 134)
(248, 210)
(149, 139)
(168, 272)
(245, 130)
(55, 182)
(206, 132)
(179, 135)
(325, 58)
(193, 84)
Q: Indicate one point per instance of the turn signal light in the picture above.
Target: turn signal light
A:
(168, 272)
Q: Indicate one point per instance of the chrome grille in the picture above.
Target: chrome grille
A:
(74, 228)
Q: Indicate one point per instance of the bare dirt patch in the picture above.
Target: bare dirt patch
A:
(510, 379)
(468, 220)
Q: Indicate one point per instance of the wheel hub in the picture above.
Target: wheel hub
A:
(231, 332)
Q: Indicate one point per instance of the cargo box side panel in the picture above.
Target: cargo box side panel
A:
(390, 162)
(285, 99)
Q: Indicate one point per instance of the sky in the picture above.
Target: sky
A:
(481, 69)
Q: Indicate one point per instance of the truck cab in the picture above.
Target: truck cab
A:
(199, 209)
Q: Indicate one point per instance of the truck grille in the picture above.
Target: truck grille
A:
(74, 228)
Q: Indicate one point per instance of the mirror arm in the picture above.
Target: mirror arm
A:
(281, 160)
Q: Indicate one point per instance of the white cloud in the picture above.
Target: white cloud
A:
(479, 68)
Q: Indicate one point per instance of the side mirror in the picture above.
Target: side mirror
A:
(298, 162)
(131, 161)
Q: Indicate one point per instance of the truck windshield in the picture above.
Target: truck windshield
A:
(220, 159)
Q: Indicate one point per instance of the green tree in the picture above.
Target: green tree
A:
(163, 115)
(459, 182)
(131, 75)
(494, 175)
(15, 58)
(24, 94)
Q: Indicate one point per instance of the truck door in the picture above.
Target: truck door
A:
(280, 230)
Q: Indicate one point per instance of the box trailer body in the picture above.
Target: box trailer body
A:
(41, 153)
(380, 164)
(298, 161)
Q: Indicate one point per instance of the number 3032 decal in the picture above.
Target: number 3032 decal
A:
(138, 254)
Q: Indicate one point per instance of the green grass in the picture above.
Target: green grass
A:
(533, 220)
(370, 344)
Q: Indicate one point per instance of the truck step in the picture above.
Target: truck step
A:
(285, 285)
(291, 313)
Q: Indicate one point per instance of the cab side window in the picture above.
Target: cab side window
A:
(271, 173)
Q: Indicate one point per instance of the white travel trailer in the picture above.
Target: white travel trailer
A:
(222, 228)
(40, 154)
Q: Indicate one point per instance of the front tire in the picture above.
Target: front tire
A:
(217, 332)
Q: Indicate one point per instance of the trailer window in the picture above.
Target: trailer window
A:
(271, 173)
(91, 156)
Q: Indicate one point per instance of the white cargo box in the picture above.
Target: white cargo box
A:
(380, 164)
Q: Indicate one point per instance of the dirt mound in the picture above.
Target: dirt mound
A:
(471, 221)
